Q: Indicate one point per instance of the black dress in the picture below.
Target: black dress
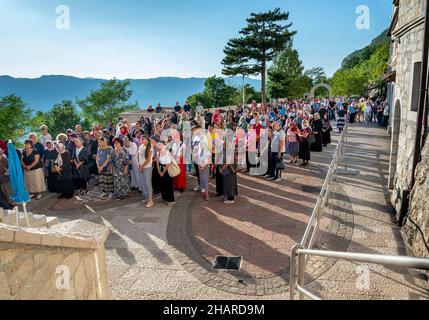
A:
(65, 178)
(49, 157)
(219, 182)
(317, 127)
(326, 135)
(304, 147)
(167, 186)
(81, 175)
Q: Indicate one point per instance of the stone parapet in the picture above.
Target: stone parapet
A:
(66, 261)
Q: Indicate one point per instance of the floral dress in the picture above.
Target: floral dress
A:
(121, 182)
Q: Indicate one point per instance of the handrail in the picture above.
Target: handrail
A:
(398, 261)
(301, 251)
(325, 189)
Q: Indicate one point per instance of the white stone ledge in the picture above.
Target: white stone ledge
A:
(76, 234)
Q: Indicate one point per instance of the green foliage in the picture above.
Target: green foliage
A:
(250, 95)
(108, 102)
(61, 117)
(14, 117)
(368, 72)
(264, 36)
(286, 77)
(216, 94)
(317, 75)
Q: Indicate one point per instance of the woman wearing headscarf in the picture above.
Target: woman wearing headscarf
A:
(164, 161)
(132, 150)
(33, 173)
(317, 127)
(304, 146)
(292, 142)
(63, 167)
(49, 157)
(326, 130)
(342, 116)
(156, 179)
(4, 165)
(80, 166)
(178, 153)
(120, 162)
(104, 166)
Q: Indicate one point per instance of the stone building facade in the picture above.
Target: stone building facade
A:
(407, 33)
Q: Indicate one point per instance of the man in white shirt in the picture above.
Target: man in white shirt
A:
(200, 108)
(45, 135)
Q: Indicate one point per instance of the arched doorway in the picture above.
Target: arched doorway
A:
(396, 125)
(321, 85)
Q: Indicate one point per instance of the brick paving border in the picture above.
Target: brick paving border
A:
(337, 236)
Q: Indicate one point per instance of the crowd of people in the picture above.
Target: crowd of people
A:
(156, 155)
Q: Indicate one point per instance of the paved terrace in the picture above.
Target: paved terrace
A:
(168, 253)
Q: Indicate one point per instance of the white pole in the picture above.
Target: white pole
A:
(24, 205)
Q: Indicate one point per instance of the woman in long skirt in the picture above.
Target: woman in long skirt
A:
(63, 167)
(167, 184)
(304, 146)
(80, 165)
(326, 131)
(178, 153)
(32, 164)
(104, 167)
(120, 162)
(156, 179)
(342, 115)
(229, 183)
(49, 157)
(317, 126)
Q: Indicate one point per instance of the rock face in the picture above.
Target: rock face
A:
(406, 51)
(416, 230)
(65, 262)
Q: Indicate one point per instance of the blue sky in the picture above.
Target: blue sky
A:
(184, 38)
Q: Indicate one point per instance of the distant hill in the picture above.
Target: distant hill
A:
(44, 92)
(364, 54)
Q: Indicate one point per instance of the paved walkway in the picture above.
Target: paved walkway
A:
(168, 253)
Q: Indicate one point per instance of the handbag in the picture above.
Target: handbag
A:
(311, 138)
(174, 169)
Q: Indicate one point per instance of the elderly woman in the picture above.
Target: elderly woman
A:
(164, 161)
(120, 162)
(4, 203)
(104, 166)
(49, 157)
(32, 164)
(80, 159)
(132, 149)
(304, 145)
(145, 158)
(317, 126)
(63, 167)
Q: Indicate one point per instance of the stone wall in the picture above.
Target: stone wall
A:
(410, 32)
(407, 53)
(419, 209)
(66, 262)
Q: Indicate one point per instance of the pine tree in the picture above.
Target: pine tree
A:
(265, 35)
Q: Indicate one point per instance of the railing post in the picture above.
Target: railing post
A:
(301, 273)
(293, 271)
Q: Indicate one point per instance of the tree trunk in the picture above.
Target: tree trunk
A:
(244, 93)
(263, 76)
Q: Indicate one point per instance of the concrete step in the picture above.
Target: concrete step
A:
(52, 221)
(39, 221)
(10, 219)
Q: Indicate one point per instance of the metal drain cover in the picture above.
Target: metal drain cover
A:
(227, 263)
(310, 189)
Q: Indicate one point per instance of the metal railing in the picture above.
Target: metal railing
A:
(303, 250)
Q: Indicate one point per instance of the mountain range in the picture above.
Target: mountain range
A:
(42, 93)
